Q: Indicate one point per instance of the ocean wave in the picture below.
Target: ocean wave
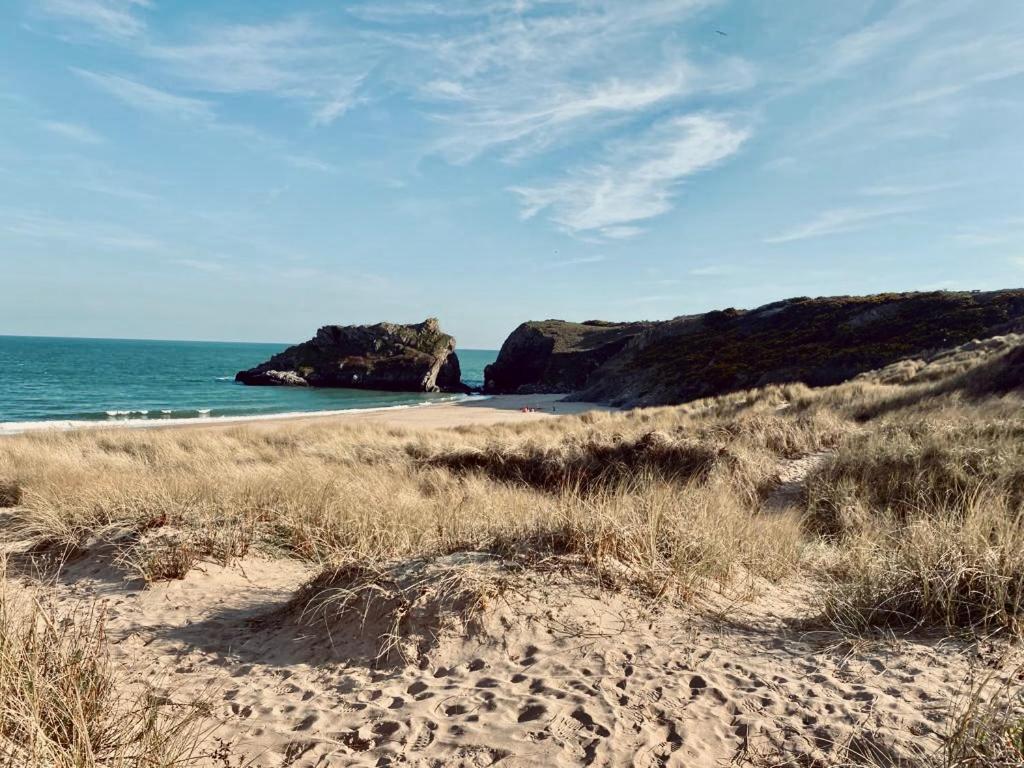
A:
(13, 428)
(115, 414)
(225, 378)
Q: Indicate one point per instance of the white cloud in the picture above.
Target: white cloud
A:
(621, 232)
(308, 163)
(980, 239)
(999, 232)
(199, 265)
(907, 20)
(714, 270)
(575, 262)
(73, 131)
(906, 190)
(637, 180)
(124, 192)
(37, 226)
(108, 18)
(146, 98)
(522, 77)
(839, 221)
(508, 77)
(293, 59)
(493, 119)
(783, 163)
(937, 66)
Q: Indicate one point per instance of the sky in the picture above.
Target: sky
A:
(250, 170)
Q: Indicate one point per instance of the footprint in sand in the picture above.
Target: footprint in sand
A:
(421, 735)
(307, 722)
(531, 712)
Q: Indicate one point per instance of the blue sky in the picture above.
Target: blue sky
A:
(250, 170)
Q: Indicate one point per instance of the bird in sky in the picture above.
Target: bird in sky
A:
(723, 34)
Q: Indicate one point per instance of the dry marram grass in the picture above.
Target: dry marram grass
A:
(912, 519)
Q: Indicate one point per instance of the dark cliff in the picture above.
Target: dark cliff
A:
(815, 341)
(555, 355)
(385, 356)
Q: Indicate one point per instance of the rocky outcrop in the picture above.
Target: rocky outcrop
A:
(815, 341)
(555, 355)
(385, 356)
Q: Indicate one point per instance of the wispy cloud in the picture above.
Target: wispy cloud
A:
(932, 79)
(906, 20)
(33, 225)
(309, 163)
(839, 221)
(200, 265)
(147, 98)
(999, 232)
(115, 190)
(714, 270)
(107, 18)
(529, 124)
(294, 59)
(907, 190)
(511, 80)
(575, 262)
(637, 179)
(73, 131)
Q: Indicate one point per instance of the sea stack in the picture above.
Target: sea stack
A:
(385, 356)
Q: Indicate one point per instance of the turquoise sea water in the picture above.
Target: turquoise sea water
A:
(50, 379)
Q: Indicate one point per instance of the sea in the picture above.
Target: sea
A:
(119, 381)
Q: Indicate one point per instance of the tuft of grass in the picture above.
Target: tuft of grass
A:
(10, 494)
(918, 465)
(62, 705)
(986, 726)
(402, 609)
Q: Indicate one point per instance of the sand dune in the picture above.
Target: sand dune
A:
(546, 671)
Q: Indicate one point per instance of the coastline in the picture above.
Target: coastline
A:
(478, 410)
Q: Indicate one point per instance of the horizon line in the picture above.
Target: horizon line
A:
(173, 341)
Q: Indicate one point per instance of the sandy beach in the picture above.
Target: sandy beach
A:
(473, 411)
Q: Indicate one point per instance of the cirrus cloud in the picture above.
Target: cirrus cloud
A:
(637, 180)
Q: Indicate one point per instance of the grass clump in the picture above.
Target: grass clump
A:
(924, 512)
(919, 466)
(986, 726)
(10, 494)
(62, 705)
(962, 567)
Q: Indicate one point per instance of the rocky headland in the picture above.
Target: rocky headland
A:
(819, 341)
(385, 356)
(556, 356)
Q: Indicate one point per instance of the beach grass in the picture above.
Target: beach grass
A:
(912, 516)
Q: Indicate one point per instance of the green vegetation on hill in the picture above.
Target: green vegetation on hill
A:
(813, 341)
